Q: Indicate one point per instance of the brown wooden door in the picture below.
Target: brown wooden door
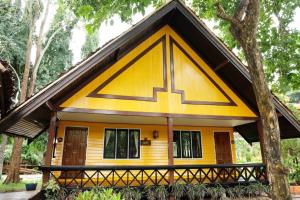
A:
(223, 148)
(74, 148)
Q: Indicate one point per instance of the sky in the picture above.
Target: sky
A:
(109, 31)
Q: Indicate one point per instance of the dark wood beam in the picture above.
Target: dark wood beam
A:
(51, 106)
(51, 136)
(221, 65)
(170, 148)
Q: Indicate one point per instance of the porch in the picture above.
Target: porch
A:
(120, 176)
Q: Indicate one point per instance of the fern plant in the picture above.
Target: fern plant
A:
(53, 191)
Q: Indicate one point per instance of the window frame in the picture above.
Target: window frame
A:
(191, 142)
(116, 143)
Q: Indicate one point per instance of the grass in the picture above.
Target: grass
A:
(14, 187)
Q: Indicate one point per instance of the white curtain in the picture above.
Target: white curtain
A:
(136, 142)
(107, 136)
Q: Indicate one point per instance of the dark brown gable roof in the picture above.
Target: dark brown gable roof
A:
(35, 112)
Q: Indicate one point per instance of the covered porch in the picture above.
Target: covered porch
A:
(164, 168)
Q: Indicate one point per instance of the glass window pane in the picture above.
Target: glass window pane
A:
(134, 143)
(109, 143)
(122, 143)
(186, 144)
(176, 145)
(196, 141)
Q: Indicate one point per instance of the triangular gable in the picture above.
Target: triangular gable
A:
(162, 75)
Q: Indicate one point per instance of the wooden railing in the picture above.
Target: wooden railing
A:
(88, 176)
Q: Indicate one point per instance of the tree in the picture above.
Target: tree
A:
(90, 45)
(278, 40)
(243, 27)
(95, 12)
(31, 14)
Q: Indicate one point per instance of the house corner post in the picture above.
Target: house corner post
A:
(48, 154)
(170, 148)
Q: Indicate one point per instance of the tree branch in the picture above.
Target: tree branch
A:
(221, 13)
(241, 9)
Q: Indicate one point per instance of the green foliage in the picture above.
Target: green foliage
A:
(196, 191)
(96, 12)
(99, 194)
(13, 34)
(129, 193)
(58, 56)
(290, 150)
(279, 42)
(216, 192)
(53, 191)
(90, 45)
(156, 192)
(178, 190)
(247, 153)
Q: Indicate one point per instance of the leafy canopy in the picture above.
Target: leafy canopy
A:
(279, 41)
(94, 12)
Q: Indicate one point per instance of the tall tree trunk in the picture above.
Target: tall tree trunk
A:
(13, 175)
(244, 25)
(2, 150)
(39, 48)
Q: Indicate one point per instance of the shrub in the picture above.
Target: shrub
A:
(161, 192)
(216, 192)
(150, 193)
(178, 190)
(129, 193)
(53, 191)
(99, 194)
(196, 191)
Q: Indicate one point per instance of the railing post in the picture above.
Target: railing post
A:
(170, 149)
(48, 155)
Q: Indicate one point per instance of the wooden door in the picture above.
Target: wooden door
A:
(74, 152)
(223, 148)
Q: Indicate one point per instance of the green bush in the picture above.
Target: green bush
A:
(196, 191)
(99, 194)
(178, 190)
(53, 191)
(129, 193)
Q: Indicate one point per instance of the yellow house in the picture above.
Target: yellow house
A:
(157, 105)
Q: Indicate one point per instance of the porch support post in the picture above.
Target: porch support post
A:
(48, 155)
(170, 148)
(261, 140)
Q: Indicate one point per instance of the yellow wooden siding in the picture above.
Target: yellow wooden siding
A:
(156, 154)
(200, 88)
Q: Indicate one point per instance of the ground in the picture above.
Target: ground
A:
(35, 178)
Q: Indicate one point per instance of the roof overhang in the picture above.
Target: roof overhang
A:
(199, 37)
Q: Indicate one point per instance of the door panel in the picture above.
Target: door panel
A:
(74, 152)
(223, 148)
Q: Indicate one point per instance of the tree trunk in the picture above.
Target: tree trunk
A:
(13, 175)
(2, 150)
(39, 46)
(244, 25)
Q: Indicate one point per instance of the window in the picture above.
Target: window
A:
(122, 143)
(187, 144)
